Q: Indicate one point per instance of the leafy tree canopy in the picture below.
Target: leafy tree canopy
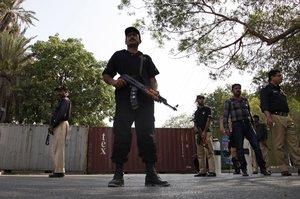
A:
(179, 121)
(287, 59)
(14, 55)
(13, 58)
(12, 15)
(66, 62)
(223, 34)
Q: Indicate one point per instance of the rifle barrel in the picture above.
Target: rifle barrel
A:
(137, 84)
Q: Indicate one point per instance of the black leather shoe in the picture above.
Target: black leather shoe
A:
(56, 175)
(200, 175)
(254, 172)
(211, 174)
(266, 173)
(285, 173)
(244, 171)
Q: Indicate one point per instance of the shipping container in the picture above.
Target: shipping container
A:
(175, 151)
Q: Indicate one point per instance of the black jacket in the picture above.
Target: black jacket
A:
(62, 112)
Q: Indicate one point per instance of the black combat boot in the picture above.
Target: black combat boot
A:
(245, 173)
(118, 180)
(264, 171)
(236, 166)
(152, 178)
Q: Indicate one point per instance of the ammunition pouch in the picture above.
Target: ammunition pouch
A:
(133, 98)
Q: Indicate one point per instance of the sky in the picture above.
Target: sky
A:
(100, 26)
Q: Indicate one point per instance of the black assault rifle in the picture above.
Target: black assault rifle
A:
(136, 85)
(48, 137)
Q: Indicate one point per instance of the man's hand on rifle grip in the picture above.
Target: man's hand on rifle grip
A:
(119, 83)
(50, 130)
(154, 94)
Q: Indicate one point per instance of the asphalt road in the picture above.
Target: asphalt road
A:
(224, 186)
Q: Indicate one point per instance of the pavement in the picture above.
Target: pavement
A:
(183, 186)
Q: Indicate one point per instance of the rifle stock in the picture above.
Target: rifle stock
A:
(47, 139)
(48, 136)
(148, 91)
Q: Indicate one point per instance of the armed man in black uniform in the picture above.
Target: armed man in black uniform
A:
(59, 127)
(130, 108)
(202, 122)
(275, 107)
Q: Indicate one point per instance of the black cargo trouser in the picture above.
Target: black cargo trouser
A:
(144, 126)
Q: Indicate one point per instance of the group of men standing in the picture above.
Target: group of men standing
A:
(239, 124)
(140, 66)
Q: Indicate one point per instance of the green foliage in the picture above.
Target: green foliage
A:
(12, 15)
(180, 121)
(27, 85)
(222, 34)
(254, 103)
(287, 59)
(66, 62)
(13, 54)
(13, 58)
(216, 101)
(294, 105)
(252, 35)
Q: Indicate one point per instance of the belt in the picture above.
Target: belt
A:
(241, 121)
(280, 113)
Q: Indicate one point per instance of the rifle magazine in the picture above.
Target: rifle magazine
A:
(133, 98)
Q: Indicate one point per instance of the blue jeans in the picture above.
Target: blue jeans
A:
(244, 129)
